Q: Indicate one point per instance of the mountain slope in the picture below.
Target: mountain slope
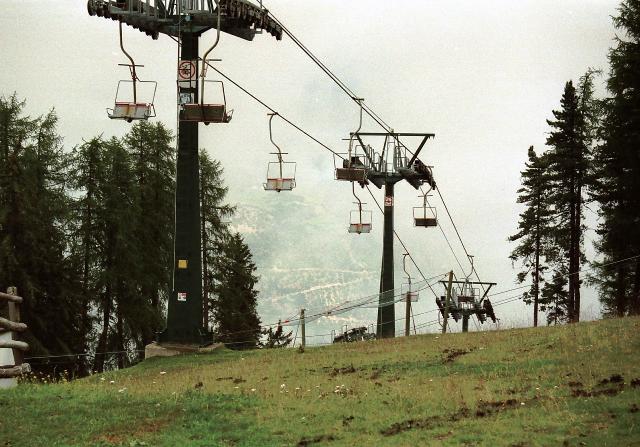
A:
(568, 385)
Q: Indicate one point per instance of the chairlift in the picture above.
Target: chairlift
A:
(359, 220)
(202, 112)
(425, 216)
(281, 175)
(353, 168)
(132, 110)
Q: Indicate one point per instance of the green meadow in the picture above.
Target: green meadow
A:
(570, 385)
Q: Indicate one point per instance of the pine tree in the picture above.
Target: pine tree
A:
(121, 304)
(234, 307)
(152, 156)
(277, 338)
(86, 174)
(555, 294)
(214, 230)
(533, 230)
(34, 216)
(569, 159)
(616, 185)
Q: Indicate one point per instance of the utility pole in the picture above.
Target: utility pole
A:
(302, 333)
(447, 301)
(408, 297)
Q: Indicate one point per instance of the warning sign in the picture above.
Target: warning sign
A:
(186, 70)
(388, 201)
(182, 296)
(187, 73)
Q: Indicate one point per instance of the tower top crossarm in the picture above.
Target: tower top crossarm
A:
(240, 18)
(394, 162)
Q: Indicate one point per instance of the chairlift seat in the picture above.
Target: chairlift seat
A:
(205, 113)
(413, 296)
(360, 228)
(466, 299)
(131, 111)
(351, 174)
(279, 184)
(426, 222)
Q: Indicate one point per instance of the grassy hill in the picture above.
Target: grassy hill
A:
(571, 385)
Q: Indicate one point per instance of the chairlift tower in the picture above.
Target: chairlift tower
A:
(186, 21)
(384, 168)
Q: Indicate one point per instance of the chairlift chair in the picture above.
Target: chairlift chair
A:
(353, 168)
(281, 175)
(134, 109)
(488, 310)
(207, 113)
(425, 216)
(200, 111)
(359, 220)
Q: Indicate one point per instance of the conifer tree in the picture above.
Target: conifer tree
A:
(616, 185)
(153, 162)
(34, 212)
(278, 338)
(86, 175)
(533, 230)
(234, 306)
(120, 301)
(569, 159)
(214, 229)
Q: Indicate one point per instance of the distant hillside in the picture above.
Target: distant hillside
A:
(556, 386)
(306, 259)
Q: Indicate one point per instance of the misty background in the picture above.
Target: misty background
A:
(482, 76)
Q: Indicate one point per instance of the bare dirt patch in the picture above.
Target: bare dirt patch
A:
(487, 408)
(449, 355)
(315, 440)
(345, 370)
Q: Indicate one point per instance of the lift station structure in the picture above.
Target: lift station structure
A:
(185, 21)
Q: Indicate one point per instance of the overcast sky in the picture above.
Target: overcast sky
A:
(482, 76)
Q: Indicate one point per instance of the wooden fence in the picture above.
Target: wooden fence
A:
(9, 330)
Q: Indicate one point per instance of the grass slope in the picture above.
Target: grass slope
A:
(570, 385)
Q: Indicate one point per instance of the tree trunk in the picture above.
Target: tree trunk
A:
(536, 278)
(620, 291)
(577, 252)
(205, 264)
(120, 328)
(98, 364)
(634, 307)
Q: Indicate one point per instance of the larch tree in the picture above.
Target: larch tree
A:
(569, 159)
(234, 306)
(152, 157)
(533, 230)
(34, 217)
(214, 229)
(616, 184)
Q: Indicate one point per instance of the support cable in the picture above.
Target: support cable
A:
(272, 110)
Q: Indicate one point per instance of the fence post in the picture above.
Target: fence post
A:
(446, 304)
(11, 366)
(302, 328)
